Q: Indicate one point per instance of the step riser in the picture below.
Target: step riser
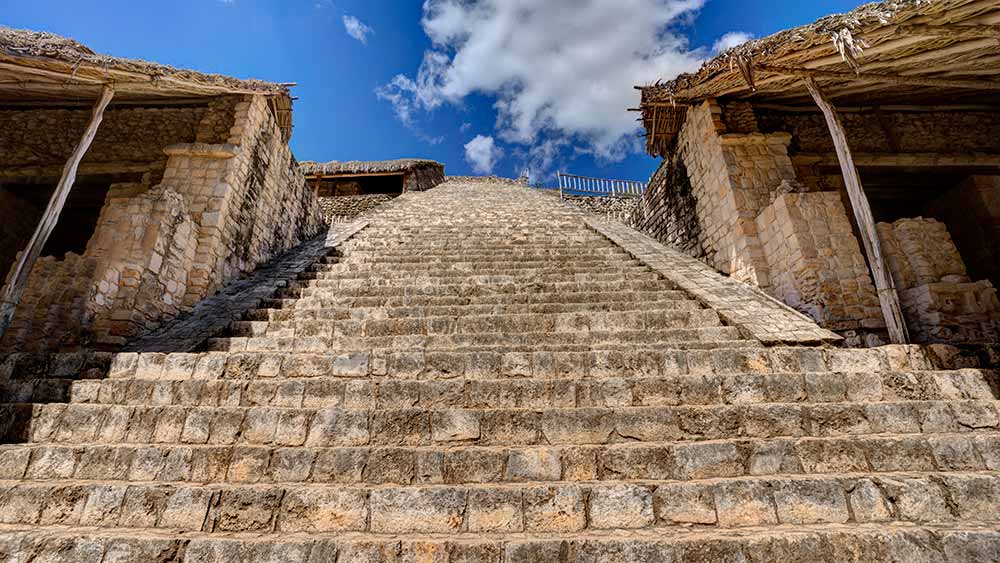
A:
(477, 325)
(569, 390)
(580, 341)
(484, 509)
(366, 281)
(468, 290)
(961, 545)
(104, 424)
(458, 466)
(365, 313)
(501, 299)
(752, 363)
(489, 263)
(348, 271)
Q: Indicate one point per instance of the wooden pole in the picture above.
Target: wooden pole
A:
(26, 261)
(887, 295)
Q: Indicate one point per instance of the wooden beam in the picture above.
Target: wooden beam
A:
(914, 160)
(951, 31)
(901, 108)
(893, 79)
(11, 295)
(884, 284)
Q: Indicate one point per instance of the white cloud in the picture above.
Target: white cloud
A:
(408, 95)
(357, 29)
(482, 154)
(559, 69)
(730, 40)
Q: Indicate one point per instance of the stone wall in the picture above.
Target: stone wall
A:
(940, 302)
(423, 178)
(730, 197)
(611, 207)
(55, 307)
(346, 208)
(667, 210)
(43, 139)
(221, 209)
(890, 132)
(732, 176)
(817, 267)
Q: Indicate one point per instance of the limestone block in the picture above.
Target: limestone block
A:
(423, 510)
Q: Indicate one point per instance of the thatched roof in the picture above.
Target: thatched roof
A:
(897, 51)
(359, 168)
(38, 67)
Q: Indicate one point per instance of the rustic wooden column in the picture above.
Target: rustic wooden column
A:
(11, 296)
(887, 295)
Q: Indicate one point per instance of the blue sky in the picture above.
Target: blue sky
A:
(495, 85)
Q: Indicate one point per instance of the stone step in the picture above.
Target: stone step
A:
(855, 543)
(348, 270)
(477, 390)
(667, 506)
(319, 427)
(488, 258)
(413, 364)
(701, 338)
(485, 262)
(469, 289)
(364, 313)
(475, 324)
(543, 298)
(491, 279)
(696, 461)
(367, 279)
(483, 244)
(478, 236)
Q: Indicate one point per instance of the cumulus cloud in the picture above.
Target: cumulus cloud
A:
(482, 154)
(730, 40)
(357, 29)
(559, 69)
(408, 95)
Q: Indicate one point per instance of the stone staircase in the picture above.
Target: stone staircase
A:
(480, 376)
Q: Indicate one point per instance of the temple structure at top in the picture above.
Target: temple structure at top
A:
(850, 168)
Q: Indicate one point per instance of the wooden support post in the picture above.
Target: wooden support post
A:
(26, 261)
(887, 295)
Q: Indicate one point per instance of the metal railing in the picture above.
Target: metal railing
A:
(571, 184)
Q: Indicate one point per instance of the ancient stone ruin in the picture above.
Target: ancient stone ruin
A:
(753, 176)
(481, 371)
(188, 184)
(347, 190)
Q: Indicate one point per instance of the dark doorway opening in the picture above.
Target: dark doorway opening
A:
(24, 203)
(361, 185)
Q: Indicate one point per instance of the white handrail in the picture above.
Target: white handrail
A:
(590, 185)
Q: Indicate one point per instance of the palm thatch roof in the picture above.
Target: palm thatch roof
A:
(38, 67)
(361, 168)
(897, 51)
